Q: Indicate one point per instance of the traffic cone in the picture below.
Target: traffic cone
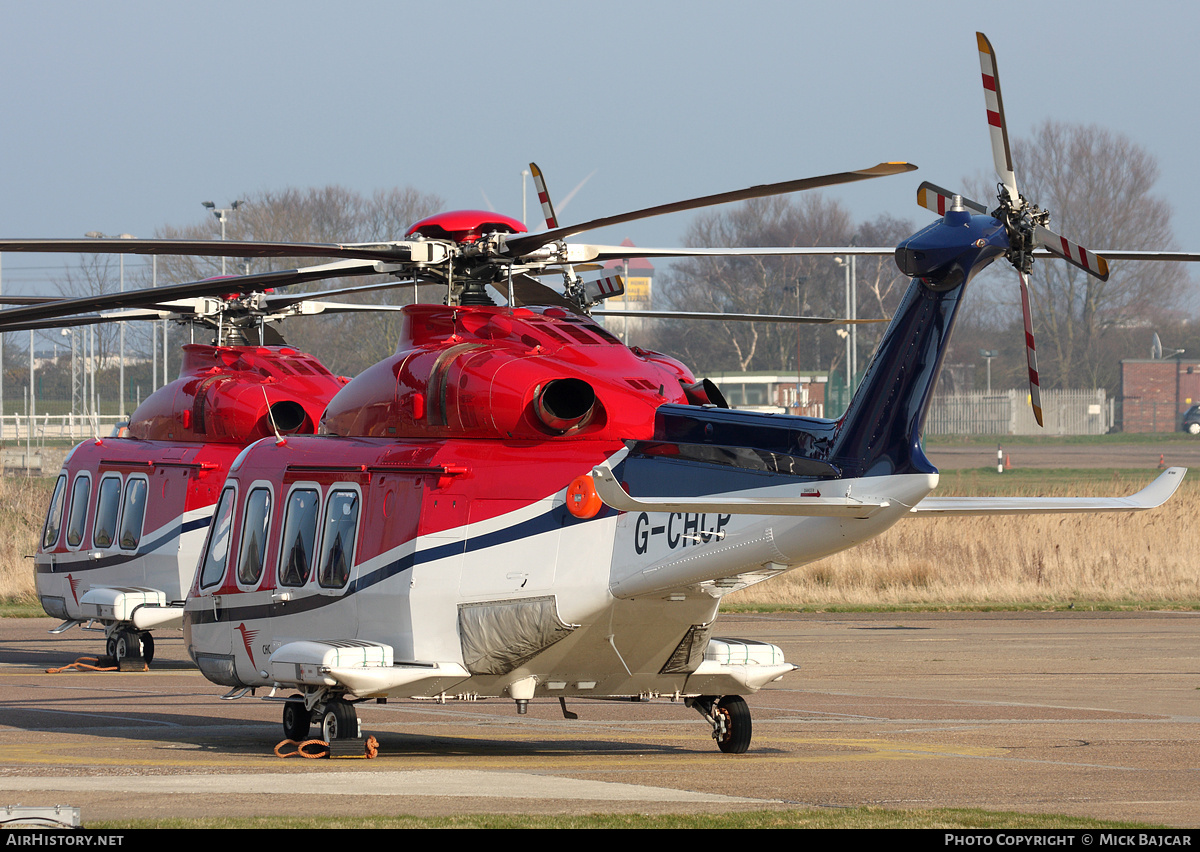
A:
(1162, 462)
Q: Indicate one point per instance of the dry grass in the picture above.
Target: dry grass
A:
(1149, 556)
(23, 502)
(1054, 559)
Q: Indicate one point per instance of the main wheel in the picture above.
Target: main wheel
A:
(126, 643)
(147, 646)
(296, 720)
(736, 715)
(340, 721)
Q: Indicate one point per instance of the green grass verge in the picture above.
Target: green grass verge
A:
(1144, 438)
(21, 609)
(953, 818)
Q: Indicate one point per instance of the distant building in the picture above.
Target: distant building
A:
(775, 393)
(638, 274)
(1156, 392)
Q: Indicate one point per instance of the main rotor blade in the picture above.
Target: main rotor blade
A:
(582, 253)
(88, 319)
(723, 317)
(208, 287)
(1118, 254)
(282, 300)
(529, 242)
(1035, 385)
(26, 300)
(394, 251)
(1073, 253)
(1001, 153)
(527, 290)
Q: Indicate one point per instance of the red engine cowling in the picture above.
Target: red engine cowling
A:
(479, 372)
(237, 394)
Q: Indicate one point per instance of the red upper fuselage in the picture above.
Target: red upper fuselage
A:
(224, 393)
(509, 374)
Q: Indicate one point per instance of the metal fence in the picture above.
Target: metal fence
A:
(1064, 412)
(54, 427)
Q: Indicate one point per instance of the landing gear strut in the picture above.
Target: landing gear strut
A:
(729, 716)
(336, 717)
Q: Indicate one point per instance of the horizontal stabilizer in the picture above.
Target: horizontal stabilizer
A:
(1153, 495)
(614, 495)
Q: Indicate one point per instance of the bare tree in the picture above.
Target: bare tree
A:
(94, 275)
(347, 343)
(785, 285)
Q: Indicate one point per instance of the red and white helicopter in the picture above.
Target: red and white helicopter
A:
(516, 505)
(124, 555)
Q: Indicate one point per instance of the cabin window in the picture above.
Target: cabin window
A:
(298, 544)
(254, 536)
(108, 501)
(77, 520)
(337, 540)
(133, 512)
(216, 551)
(54, 516)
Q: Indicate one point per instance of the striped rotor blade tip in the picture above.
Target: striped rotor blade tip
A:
(539, 183)
(1072, 252)
(1035, 385)
(939, 199)
(1001, 152)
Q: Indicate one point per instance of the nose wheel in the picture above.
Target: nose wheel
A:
(729, 716)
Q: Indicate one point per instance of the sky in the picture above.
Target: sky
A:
(123, 117)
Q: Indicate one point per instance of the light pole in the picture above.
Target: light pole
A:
(222, 213)
(800, 280)
(848, 262)
(989, 354)
(75, 390)
(120, 326)
(524, 219)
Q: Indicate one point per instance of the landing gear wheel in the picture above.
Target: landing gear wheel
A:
(296, 719)
(147, 646)
(733, 714)
(126, 644)
(339, 722)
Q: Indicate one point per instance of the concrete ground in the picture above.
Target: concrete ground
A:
(1095, 714)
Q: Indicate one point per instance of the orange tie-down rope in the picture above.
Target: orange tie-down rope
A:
(371, 748)
(88, 664)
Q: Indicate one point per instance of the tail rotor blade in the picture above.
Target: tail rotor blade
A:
(1035, 388)
(1001, 152)
(1073, 253)
(539, 183)
(939, 200)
